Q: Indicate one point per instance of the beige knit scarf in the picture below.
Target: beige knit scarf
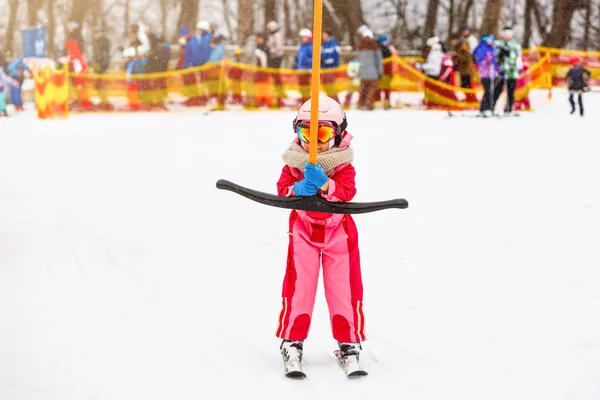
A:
(295, 156)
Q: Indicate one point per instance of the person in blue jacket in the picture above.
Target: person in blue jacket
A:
(305, 52)
(330, 53)
(17, 70)
(197, 48)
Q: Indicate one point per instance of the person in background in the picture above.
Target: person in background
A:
(330, 60)
(133, 66)
(304, 63)
(274, 44)
(17, 70)
(433, 64)
(154, 87)
(510, 62)
(469, 38)
(388, 70)
(138, 36)
(463, 61)
(275, 47)
(235, 76)
(578, 78)
(5, 83)
(485, 58)
(447, 71)
(74, 32)
(100, 62)
(204, 36)
(184, 35)
(77, 65)
(217, 46)
(370, 71)
(305, 52)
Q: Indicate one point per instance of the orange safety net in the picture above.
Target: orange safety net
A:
(229, 84)
(560, 63)
(52, 93)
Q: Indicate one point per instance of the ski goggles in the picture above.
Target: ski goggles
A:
(327, 131)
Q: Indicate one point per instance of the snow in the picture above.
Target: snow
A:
(125, 274)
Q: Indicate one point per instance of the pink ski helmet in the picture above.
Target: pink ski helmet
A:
(329, 111)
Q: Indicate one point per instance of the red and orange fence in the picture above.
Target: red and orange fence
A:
(229, 84)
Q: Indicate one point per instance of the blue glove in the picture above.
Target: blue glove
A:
(315, 174)
(305, 188)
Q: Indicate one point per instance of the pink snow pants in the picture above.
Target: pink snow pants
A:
(334, 243)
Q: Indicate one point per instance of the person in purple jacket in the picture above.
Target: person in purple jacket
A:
(5, 83)
(487, 64)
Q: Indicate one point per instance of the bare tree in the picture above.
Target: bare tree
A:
(562, 13)
(351, 13)
(245, 19)
(491, 17)
(431, 19)
(32, 9)
(270, 10)
(226, 17)
(464, 12)
(51, 28)
(188, 14)
(13, 8)
(527, 28)
(451, 18)
(287, 12)
(80, 9)
(588, 23)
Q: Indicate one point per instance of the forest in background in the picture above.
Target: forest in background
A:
(553, 23)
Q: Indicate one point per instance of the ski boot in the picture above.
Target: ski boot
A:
(349, 358)
(291, 351)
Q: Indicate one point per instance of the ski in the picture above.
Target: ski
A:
(310, 203)
(352, 368)
(293, 369)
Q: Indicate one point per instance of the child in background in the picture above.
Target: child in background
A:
(6, 82)
(321, 238)
(578, 78)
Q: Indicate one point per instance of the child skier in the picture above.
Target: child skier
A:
(6, 82)
(578, 78)
(316, 237)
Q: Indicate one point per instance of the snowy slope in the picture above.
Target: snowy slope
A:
(124, 273)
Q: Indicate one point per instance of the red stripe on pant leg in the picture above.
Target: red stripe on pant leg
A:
(289, 283)
(356, 286)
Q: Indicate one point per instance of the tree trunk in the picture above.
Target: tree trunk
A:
(126, 19)
(431, 20)
(527, 29)
(491, 18)
(79, 9)
(32, 10)
(352, 14)
(50, 29)
(13, 8)
(164, 18)
(588, 23)
(451, 15)
(188, 15)
(464, 15)
(270, 11)
(287, 12)
(245, 19)
(226, 17)
(562, 14)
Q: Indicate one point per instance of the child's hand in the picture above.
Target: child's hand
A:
(305, 188)
(315, 174)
